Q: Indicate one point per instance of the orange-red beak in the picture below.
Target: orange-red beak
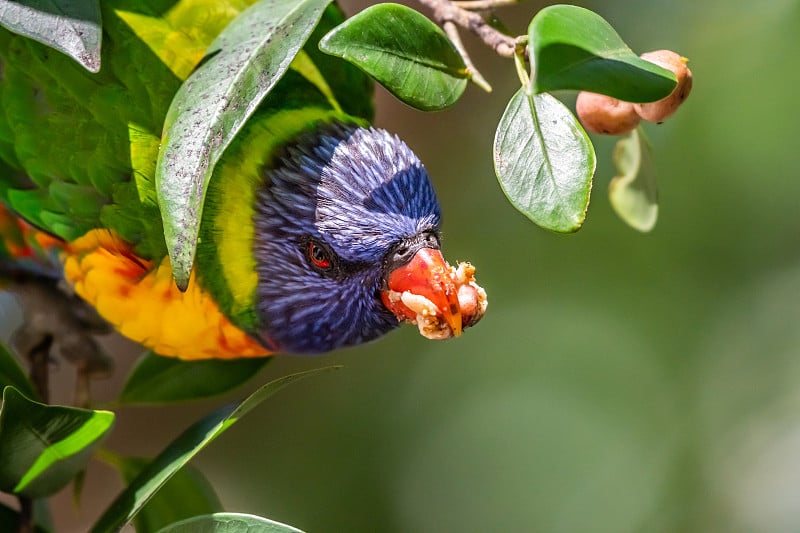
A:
(426, 277)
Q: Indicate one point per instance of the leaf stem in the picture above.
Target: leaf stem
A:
(458, 14)
(522, 72)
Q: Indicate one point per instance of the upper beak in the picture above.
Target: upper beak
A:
(427, 275)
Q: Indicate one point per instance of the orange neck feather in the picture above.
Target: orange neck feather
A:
(140, 299)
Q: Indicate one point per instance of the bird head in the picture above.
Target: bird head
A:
(347, 245)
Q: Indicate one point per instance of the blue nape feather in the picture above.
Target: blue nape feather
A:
(330, 212)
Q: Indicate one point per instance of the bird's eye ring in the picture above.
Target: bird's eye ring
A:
(319, 256)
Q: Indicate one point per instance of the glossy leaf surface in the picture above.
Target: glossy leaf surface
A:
(71, 26)
(406, 52)
(136, 495)
(633, 192)
(229, 523)
(242, 65)
(157, 379)
(352, 87)
(575, 48)
(544, 161)
(188, 493)
(45, 446)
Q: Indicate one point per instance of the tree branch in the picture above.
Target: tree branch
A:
(478, 5)
(39, 358)
(451, 31)
(457, 13)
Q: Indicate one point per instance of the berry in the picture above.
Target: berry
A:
(603, 114)
(663, 109)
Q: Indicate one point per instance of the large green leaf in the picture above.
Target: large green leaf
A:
(405, 52)
(243, 64)
(633, 192)
(12, 374)
(188, 493)
(544, 161)
(229, 523)
(157, 379)
(125, 507)
(352, 87)
(575, 48)
(42, 446)
(71, 26)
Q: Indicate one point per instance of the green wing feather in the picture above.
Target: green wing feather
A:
(78, 150)
(67, 132)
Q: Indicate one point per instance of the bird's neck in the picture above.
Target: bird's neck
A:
(225, 262)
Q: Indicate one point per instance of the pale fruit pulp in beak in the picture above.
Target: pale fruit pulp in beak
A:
(440, 299)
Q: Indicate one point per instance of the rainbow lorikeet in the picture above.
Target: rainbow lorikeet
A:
(317, 232)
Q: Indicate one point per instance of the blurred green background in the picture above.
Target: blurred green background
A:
(619, 383)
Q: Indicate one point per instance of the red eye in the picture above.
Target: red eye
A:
(318, 256)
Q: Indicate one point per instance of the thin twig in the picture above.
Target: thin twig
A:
(25, 524)
(482, 5)
(452, 33)
(39, 358)
(446, 11)
(83, 387)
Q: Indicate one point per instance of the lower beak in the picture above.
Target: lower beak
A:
(424, 287)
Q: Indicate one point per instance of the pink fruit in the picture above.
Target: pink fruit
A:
(603, 114)
(663, 109)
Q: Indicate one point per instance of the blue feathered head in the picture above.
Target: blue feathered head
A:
(342, 209)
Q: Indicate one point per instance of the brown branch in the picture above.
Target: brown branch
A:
(483, 5)
(451, 30)
(83, 388)
(447, 11)
(39, 358)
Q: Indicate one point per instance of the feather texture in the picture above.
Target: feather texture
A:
(305, 216)
(356, 192)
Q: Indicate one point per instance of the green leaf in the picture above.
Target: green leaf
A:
(229, 523)
(125, 507)
(43, 447)
(405, 52)
(71, 26)
(157, 379)
(188, 493)
(575, 48)
(352, 88)
(12, 374)
(633, 192)
(544, 161)
(243, 65)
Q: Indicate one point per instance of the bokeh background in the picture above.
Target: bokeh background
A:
(620, 382)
